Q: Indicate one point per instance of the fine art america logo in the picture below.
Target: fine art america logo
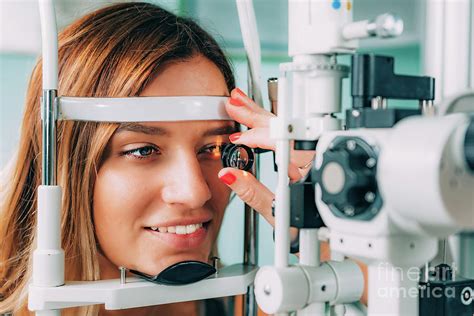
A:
(403, 283)
(467, 296)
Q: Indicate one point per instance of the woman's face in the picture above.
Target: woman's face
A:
(157, 198)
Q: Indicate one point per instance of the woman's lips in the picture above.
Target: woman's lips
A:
(182, 241)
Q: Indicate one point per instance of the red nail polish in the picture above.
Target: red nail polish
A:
(235, 136)
(236, 102)
(228, 178)
(240, 92)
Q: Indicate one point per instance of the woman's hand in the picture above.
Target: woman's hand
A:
(243, 110)
(244, 184)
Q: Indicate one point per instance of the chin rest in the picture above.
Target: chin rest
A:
(180, 273)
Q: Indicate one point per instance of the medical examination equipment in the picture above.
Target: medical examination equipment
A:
(387, 187)
(48, 292)
(307, 104)
(181, 273)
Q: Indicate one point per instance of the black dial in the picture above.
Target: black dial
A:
(237, 156)
(469, 146)
(347, 178)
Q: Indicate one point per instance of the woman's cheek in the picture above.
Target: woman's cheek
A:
(118, 199)
(114, 189)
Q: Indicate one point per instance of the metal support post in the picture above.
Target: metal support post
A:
(249, 307)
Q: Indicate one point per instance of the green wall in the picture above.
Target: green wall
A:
(15, 72)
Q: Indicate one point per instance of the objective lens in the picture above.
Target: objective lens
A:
(237, 156)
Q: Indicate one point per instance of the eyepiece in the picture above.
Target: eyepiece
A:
(237, 156)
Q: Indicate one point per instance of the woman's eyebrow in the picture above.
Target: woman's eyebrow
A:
(139, 128)
(224, 130)
(154, 130)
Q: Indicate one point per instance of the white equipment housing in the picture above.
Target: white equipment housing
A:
(404, 234)
(426, 188)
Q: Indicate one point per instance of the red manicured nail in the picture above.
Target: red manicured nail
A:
(235, 136)
(236, 102)
(228, 178)
(240, 92)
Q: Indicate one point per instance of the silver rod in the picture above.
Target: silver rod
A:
(251, 216)
(215, 263)
(425, 272)
(250, 247)
(379, 103)
(427, 107)
(272, 84)
(444, 250)
(48, 123)
(250, 303)
(123, 275)
(249, 307)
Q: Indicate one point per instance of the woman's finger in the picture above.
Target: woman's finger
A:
(245, 111)
(250, 190)
(253, 193)
(258, 137)
(303, 159)
(294, 173)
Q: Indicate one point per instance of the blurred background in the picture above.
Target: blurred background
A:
(20, 46)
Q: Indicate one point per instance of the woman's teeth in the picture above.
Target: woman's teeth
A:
(180, 230)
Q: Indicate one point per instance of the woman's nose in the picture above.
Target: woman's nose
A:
(186, 184)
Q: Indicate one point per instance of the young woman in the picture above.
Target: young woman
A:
(130, 189)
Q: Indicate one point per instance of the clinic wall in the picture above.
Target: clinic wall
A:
(15, 72)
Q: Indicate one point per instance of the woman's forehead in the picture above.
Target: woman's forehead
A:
(194, 76)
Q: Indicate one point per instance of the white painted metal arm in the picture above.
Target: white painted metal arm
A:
(248, 27)
(143, 109)
(49, 42)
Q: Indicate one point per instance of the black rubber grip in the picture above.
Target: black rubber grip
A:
(469, 146)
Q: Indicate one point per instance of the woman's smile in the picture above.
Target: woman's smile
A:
(182, 234)
(180, 238)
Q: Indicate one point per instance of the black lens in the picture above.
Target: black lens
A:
(237, 156)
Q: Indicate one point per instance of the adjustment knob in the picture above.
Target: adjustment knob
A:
(347, 178)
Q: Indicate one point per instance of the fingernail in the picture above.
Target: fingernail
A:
(236, 102)
(234, 136)
(240, 92)
(228, 178)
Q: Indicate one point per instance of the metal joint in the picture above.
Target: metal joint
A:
(48, 122)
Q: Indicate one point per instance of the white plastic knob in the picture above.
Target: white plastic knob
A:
(281, 289)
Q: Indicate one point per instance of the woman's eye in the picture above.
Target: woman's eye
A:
(142, 152)
(214, 151)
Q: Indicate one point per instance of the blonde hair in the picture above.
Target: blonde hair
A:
(115, 52)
